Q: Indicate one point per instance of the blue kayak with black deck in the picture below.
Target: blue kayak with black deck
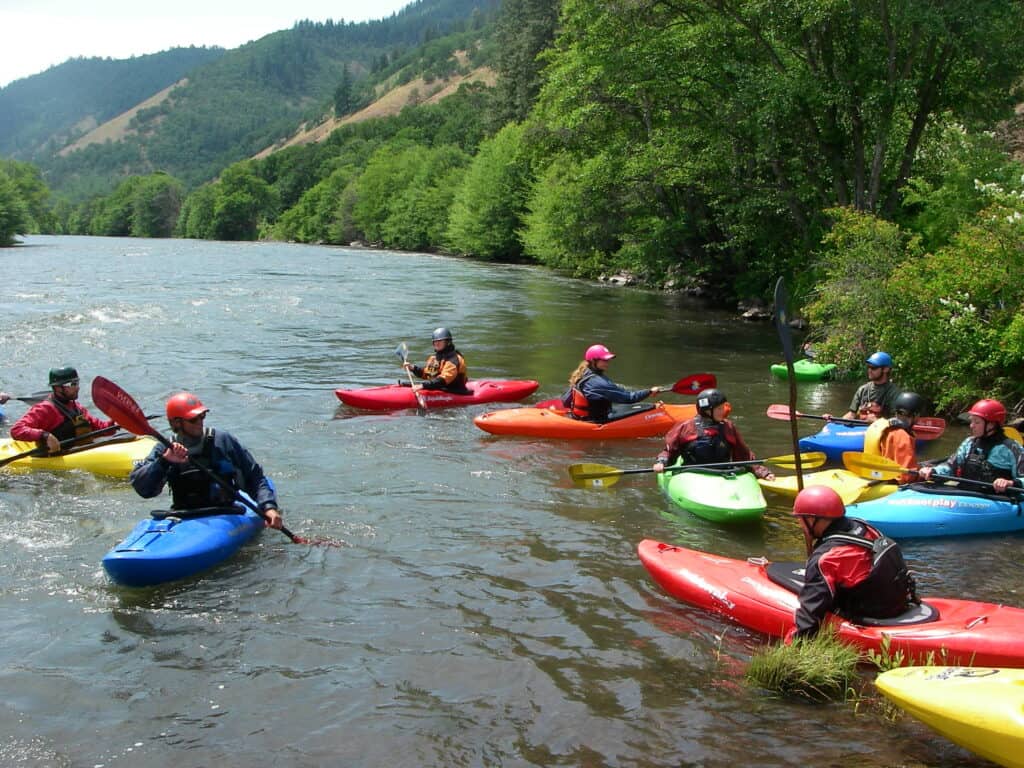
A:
(927, 510)
(175, 545)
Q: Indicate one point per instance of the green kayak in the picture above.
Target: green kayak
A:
(805, 370)
(718, 495)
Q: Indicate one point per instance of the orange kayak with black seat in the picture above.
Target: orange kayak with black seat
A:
(636, 421)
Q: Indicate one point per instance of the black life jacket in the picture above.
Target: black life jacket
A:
(193, 488)
(977, 467)
(74, 424)
(710, 447)
(888, 589)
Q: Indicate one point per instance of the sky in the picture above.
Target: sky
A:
(37, 34)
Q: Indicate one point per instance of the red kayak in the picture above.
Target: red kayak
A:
(394, 396)
(760, 596)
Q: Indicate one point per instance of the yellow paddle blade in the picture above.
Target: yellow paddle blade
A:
(871, 466)
(807, 460)
(594, 475)
(1013, 434)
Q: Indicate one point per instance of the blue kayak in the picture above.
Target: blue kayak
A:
(923, 509)
(167, 547)
(835, 438)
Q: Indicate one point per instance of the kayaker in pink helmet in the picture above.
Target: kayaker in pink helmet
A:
(592, 394)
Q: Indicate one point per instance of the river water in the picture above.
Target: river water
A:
(481, 610)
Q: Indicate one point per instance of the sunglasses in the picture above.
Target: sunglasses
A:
(72, 383)
(196, 419)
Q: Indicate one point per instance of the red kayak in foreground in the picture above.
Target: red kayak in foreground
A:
(395, 396)
(957, 632)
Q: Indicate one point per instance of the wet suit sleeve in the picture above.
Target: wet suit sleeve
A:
(254, 482)
(149, 478)
(600, 386)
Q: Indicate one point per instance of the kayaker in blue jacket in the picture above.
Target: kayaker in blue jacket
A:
(592, 394)
(987, 455)
(853, 571)
(195, 446)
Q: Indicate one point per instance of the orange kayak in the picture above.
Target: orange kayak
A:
(555, 423)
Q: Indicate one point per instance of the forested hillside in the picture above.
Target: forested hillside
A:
(42, 113)
(251, 97)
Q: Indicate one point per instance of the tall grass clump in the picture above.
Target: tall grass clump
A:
(820, 668)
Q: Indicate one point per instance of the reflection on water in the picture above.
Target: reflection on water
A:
(483, 610)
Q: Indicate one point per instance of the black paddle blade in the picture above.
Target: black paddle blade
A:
(119, 406)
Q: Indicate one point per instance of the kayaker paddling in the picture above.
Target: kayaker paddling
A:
(193, 447)
(445, 369)
(59, 417)
(708, 438)
(592, 395)
(987, 455)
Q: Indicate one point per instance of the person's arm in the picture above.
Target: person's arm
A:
(839, 568)
(37, 422)
(740, 451)
(149, 478)
(600, 386)
(674, 441)
(255, 482)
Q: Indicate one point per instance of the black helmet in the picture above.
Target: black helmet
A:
(908, 403)
(63, 375)
(441, 334)
(709, 398)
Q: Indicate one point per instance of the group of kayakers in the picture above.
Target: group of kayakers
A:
(205, 468)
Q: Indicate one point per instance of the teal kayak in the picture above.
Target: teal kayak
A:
(805, 370)
(718, 495)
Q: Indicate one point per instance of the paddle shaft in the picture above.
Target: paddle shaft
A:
(580, 471)
(403, 354)
(883, 464)
(688, 385)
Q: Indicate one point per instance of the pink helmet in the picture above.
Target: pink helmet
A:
(598, 352)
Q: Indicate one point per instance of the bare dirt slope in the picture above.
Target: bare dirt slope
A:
(117, 128)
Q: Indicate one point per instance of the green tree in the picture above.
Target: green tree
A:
(488, 208)
(343, 94)
(525, 29)
(13, 212)
(243, 200)
(156, 206)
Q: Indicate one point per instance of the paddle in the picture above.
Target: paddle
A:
(688, 385)
(585, 475)
(925, 428)
(882, 468)
(402, 350)
(120, 406)
(1013, 434)
(44, 451)
(32, 399)
(781, 298)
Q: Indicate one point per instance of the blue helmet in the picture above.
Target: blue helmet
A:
(880, 360)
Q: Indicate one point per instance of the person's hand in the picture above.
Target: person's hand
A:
(52, 443)
(273, 518)
(827, 416)
(176, 453)
(4, 397)
(656, 390)
(1000, 484)
(659, 466)
(407, 365)
(925, 473)
(769, 477)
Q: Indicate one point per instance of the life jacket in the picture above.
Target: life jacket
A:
(193, 488)
(581, 408)
(711, 446)
(889, 587)
(449, 354)
(74, 424)
(977, 467)
(877, 431)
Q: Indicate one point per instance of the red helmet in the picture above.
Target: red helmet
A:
(598, 352)
(185, 405)
(818, 501)
(989, 410)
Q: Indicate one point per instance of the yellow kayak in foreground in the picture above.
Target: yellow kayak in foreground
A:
(979, 708)
(850, 487)
(111, 457)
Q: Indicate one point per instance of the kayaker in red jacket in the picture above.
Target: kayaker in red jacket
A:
(708, 438)
(854, 570)
(59, 417)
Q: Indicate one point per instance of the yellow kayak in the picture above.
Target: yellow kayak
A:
(112, 457)
(979, 708)
(850, 487)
